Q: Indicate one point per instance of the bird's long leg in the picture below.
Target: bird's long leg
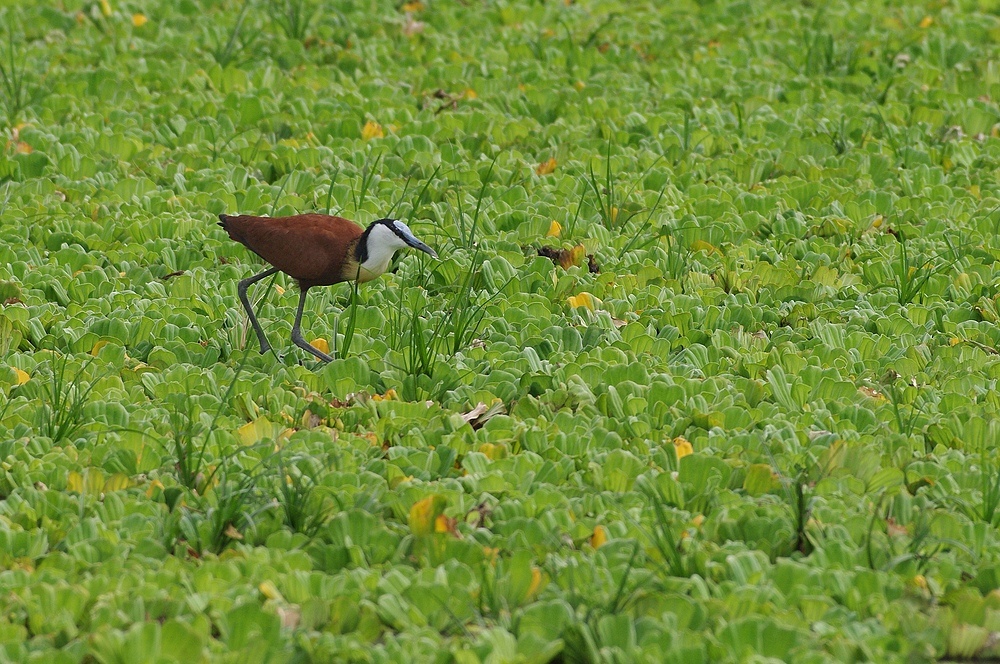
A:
(297, 333)
(242, 290)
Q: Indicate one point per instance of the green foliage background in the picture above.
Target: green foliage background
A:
(763, 428)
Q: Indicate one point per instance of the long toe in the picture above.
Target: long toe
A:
(305, 345)
(323, 356)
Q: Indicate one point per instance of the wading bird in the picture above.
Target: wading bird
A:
(316, 250)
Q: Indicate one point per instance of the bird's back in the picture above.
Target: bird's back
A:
(312, 248)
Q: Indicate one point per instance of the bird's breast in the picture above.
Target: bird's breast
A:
(352, 270)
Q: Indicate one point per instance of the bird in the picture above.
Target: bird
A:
(316, 250)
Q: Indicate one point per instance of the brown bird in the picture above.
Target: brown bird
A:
(316, 250)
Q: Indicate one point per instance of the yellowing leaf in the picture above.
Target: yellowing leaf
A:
(536, 582)
(253, 432)
(106, 7)
(153, 487)
(760, 479)
(471, 94)
(90, 482)
(411, 7)
(23, 148)
(268, 589)
(232, 533)
(584, 299)
(599, 538)
(424, 514)
(572, 257)
(555, 228)
(281, 291)
(22, 376)
(682, 447)
(117, 482)
(493, 451)
(444, 524)
(388, 396)
(372, 130)
(546, 167)
(321, 345)
(701, 245)
(579, 85)
(926, 22)
(98, 345)
(139, 20)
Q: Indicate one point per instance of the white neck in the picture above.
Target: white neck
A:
(382, 244)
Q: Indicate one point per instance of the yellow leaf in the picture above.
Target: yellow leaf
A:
(269, 590)
(412, 7)
(22, 376)
(424, 514)
(682, 447)
(281, 291)
(101, 343)
(546, 167)
(584, 299)
(443, 524)
(571, 257)
(599, 538)
(471, 94)
(614, 214)
(253, 432)
(536, 582)
(579, 85)
(321, 345)
(153, 486)
(90, 482)
(24, 148)
(555, 228)
(388, 396)
(920, 581)
(372, 130)
(106, 7)
(117, 482)
(926, 22)
(493, 451)
(701, 245)
(139, 20)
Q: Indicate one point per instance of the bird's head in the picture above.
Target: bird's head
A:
(388, 235)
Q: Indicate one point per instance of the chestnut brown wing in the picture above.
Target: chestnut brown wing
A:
(308, 247)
